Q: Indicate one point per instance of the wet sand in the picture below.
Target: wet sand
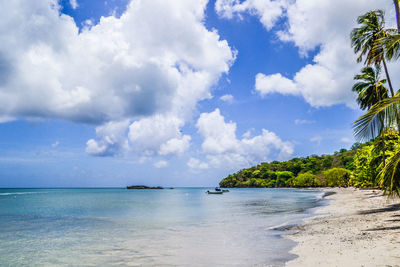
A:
(357, 228)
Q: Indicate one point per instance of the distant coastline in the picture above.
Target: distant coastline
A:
(357, 167)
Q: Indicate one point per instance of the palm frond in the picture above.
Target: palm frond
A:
(363, 39)
(369, 88)
(370, 125)
(390, 176)
(392, 44)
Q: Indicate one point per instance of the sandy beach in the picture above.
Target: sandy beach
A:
(357, 228)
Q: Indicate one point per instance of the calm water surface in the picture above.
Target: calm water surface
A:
(119, 227)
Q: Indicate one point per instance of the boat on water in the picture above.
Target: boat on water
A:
(218, 189)
(214, 192)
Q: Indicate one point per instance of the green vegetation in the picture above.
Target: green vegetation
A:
(360, 167)
(325, 170)
(377, 44)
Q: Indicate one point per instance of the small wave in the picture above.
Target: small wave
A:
(324, 194)
(320, 196)
(284, 227)
(19, 193)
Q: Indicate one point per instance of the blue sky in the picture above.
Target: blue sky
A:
(174, 95)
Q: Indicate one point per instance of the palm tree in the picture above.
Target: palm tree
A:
(370, 91)
(385, 112)
(391, 43)
(397, 9)
(365, 38)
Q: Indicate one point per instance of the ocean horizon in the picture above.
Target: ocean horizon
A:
(120, 227)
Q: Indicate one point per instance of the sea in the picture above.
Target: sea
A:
(169, 227)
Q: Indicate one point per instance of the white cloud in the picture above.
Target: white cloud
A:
(111, 139)
(159, 134)
(275, 84)
(227, 98)
(175, 146)
(223, 149)
(268, 11)
(346, 140)
(300, 122)
(194, 163)
(161, 164)
(134, 69)
(74, 4)
(219, 136)
(316, 24)
(55, 144)
(247, 134)
(316, 139)
(88, 23)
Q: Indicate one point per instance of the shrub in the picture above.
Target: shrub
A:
(284, 175)
(303, 180)
(337, 177)
(320, 180)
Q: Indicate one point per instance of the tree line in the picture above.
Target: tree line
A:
(359, 167)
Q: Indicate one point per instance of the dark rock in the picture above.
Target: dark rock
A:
(143, 187)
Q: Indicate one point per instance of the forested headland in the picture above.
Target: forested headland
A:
(360, 167)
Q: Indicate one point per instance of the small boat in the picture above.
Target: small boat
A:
(214, 192)
(218, 189)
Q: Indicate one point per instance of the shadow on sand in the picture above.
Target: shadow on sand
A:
(393, 207)
(384, 228)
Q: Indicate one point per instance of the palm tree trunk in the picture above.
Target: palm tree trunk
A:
(391, 91)
(388, 77)
(396, 5)
(383, 151)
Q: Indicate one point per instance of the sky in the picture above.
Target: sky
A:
(172, 92)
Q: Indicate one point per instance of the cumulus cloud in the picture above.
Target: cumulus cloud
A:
(74, 4)
(194, 163)
(122, 72)
(219, 136)
(275, 83)
(227, 98)
(268, 11)
(222, 148)
(247, 134)
(315, 24)
(175, 146)
(111, 139)
(158, 134)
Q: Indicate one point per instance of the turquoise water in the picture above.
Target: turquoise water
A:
(119, 227)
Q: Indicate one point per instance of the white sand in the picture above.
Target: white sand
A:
(343, 236)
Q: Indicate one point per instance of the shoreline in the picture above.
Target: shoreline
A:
(356, 228)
